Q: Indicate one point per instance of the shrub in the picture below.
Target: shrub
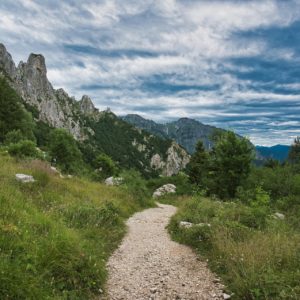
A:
(14, 137)
(106, 167)
(23, 149)
(64, 151)
(198, 165)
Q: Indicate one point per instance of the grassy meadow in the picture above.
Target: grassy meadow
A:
(56, 234)
(256, 255)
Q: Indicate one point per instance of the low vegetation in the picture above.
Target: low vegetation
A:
(251, 239)
(257, 255)
(57, 233)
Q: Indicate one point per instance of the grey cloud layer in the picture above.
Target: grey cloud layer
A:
(234, 64)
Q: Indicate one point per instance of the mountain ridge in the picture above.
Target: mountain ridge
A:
(102, 131)
(185, 131)
(278, 152)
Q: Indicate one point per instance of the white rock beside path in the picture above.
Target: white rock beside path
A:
(24, 178)
(165, 189)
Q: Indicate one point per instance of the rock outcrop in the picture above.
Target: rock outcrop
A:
(177, 159)
(54, 107)
(86, 105)
(164, 190)
(7, 64)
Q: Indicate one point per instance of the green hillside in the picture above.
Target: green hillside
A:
(57, 233)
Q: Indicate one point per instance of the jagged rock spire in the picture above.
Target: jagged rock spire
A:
(86, 105)
(6, 62)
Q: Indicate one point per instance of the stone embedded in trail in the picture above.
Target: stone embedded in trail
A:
(165, 189)
(24, 178)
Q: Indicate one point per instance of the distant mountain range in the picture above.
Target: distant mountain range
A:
(278, 152)
(186, 132)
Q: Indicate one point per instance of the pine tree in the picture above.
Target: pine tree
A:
(230, 162)
(197, 168)
(64, 151)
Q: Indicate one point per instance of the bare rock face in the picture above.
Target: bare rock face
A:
(86, 105)
(177, 159)
(7, 64)
(30, 80)
(156, 162)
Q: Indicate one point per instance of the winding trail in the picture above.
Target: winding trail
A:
(149, 265)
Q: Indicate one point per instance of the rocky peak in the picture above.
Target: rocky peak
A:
(6, 62)
(86, 105)
(32, 80)
(62, 94)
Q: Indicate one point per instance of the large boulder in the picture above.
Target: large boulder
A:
(24, 178)
(165, 189)
(114, 180)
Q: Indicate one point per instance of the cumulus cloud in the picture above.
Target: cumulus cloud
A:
(233, 64)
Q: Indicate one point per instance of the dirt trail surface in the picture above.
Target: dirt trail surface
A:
(149, 265)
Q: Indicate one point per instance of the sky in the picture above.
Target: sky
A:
(233, 64)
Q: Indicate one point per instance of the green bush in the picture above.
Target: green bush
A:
(23, 149)
(105, 166)
(64, 151)
(14, 137)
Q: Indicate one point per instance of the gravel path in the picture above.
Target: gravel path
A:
(148, 265)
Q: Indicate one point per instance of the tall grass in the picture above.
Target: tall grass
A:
(257, 256)
(56, 234)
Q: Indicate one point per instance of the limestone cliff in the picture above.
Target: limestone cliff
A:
(54, 107)
(177, 159)
(101, 131)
